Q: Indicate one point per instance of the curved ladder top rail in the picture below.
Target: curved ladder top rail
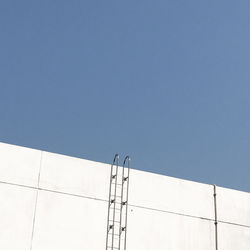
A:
(116, 159)
(127, 159)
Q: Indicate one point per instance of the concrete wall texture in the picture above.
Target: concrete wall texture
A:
(55, 202)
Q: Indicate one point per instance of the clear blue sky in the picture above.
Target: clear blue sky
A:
(166, 81)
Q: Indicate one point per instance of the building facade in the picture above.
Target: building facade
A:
(55, 202)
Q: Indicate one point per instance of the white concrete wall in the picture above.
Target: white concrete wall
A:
(234, 219)
(55, 202)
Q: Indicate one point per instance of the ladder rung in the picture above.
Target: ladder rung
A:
(117, 184)
(116, 209)
(115, 234)
(118, 203)
(116, 196)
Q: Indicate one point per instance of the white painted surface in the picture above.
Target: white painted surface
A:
(65, 222)
(232, 237)
(171, 194)
(17, 205)
(19, 165)
(233, 206)
(75, 176)
(149, 230)
(168, 213)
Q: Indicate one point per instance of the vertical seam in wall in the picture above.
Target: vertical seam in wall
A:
(215, 218)
(34, 217)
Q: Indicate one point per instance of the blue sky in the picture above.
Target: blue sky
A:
(167, 82)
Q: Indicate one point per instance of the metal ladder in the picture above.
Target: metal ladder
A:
(118, 205)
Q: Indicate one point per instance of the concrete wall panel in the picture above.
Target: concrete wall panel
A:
(17, 206)
(66, 222)
(19, 165)
(75, 176)
(233, 206)
(233, 237)
(171, 194)
(148, 229)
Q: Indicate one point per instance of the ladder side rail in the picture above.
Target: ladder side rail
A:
(126, 160)
(116, 159)
(109, 204)
(121, 207)
(113, 231)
